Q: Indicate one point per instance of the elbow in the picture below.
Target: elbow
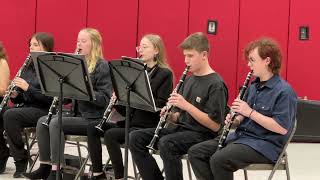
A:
(216, 128)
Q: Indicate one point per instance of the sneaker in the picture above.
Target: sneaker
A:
(99, 177)
(41, 173)
(53, 174)
(21, 167)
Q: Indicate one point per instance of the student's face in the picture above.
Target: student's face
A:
(84, 43)
(194, 59)
(257, 64)
(146, 50)
(35, 45)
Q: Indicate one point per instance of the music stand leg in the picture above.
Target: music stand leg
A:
(60, 127)
(127, 134)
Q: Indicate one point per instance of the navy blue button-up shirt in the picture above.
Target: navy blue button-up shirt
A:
(274, 99)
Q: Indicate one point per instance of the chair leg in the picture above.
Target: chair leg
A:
(136, 174)
(245, 174)
(33, 162)
(287, 169)
(82, 167)
(189, 169)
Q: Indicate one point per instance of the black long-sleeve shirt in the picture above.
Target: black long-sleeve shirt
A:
(102, 87)
(32, 97)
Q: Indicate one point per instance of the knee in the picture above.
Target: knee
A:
(193, 153)
(109, 137)
(9, 119)
(218, 160)
(166, 147)
(135, 140)
(91, 129)
(54, 125)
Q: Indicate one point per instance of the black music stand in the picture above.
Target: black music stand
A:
(132, 87)
(63, 75)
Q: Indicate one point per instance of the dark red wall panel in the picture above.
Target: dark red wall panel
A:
(261, 19)
(117, 21)
(63, 19)
(169, 19)
(17, 25)
(304, 56)
(223, 56)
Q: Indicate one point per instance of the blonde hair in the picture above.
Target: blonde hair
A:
(96, 49)
(158, 44)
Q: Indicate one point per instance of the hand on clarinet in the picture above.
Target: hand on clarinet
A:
(14, 94)
(21, 83)
(178, 101)
(241, 107)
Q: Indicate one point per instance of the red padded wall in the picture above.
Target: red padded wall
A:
(261, 19)
(169, 19)
(303, 56)
(17, 25)
(117, 22)
(223, 56)
(63, 19)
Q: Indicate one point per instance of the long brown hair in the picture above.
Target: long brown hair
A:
(3, 54)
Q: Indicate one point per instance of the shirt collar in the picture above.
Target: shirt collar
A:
(271, 82)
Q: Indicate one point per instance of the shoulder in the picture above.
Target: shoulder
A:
(102, 65)
(4, 65)
(285, 88)
(214, 80)
(165, 71)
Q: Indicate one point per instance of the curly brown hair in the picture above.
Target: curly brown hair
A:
(267, 47)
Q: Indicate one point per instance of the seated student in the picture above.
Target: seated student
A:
(200, 109)
(152, 53)
(4, 82)
(89, 44)
(265, 119)
(32, 104)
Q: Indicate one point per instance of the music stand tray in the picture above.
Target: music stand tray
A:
(132, 74)
(50, 66)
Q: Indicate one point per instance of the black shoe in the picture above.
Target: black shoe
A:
(53, 174)
(21, 167)
(99, 177)
(3, 164)
(41, 173)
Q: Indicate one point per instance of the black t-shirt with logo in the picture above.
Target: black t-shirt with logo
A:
(210, 95)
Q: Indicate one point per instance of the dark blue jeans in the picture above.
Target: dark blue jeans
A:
(207, 164)
(173, 143)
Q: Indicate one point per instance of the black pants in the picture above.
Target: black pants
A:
(173, 143)
(207, 164)
(114, 136)
(4, 150)
(15, 120)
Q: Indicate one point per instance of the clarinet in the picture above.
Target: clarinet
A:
(107, 114)
(12, 87)
(227, 127)
(163, 118)
(51, 110)
(53, 106)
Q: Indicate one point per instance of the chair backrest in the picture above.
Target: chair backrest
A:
(282, 162)
(284, 150)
